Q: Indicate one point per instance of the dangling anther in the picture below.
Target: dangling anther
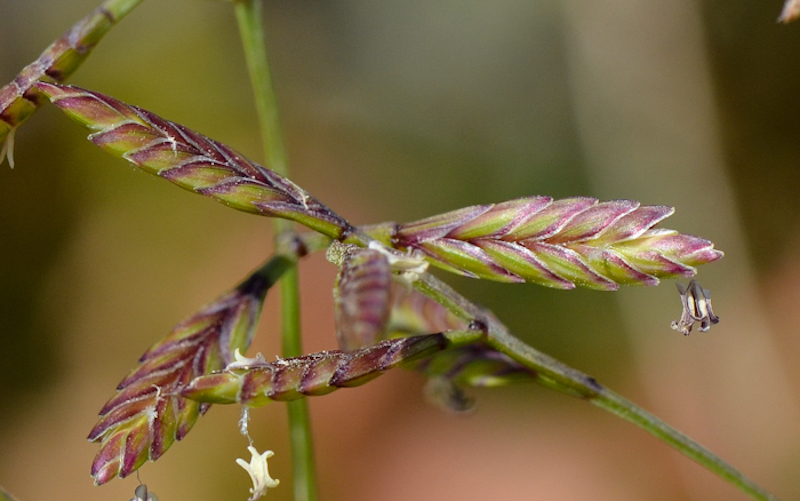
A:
(696, 303)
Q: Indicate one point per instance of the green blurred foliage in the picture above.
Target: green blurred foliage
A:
(756, 76)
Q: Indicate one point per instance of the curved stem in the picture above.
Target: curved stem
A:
(550, 372)
(249, 14)
(629, 411)
(559, 376)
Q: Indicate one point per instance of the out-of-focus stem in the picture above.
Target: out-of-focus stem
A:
(249, 14)
(4, 496)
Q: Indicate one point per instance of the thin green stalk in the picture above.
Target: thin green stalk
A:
(19, 99)
(249, 14)
(559, 376)
(120, 8)
(550, 371)
(629, 411)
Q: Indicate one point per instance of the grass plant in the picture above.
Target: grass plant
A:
(390, 310)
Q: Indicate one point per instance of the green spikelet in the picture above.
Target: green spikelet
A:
(147, 415)
(414, 313)
(556, 243)
(255, 382)
(191, 160)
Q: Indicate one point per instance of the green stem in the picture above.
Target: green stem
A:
(249, 14)
(550, 371)
(119, 8)
(559, 376)
(57, 62)
(629, 411)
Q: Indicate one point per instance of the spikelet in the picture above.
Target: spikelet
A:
(556, 243)
(255, 382)
(20, 99)
(147, 414)
(476, 365)
(414, 313)
(191, 160)
(362, 298)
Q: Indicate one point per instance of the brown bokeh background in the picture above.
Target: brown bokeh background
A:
(395, 111)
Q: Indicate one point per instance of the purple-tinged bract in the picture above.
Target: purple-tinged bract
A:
(148, 414)
(557, 243)
(362, 298)
(255, 382)
(191, 160)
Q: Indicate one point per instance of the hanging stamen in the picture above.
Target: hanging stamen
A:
(141, 493)
(696, 303)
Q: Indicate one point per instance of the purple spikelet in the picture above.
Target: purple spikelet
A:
(191, 160)
(362, 298)
(147, 415)
(255, 382)
(557, 243)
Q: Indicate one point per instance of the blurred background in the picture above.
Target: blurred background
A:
(397, 110)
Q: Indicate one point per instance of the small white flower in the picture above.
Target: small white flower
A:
(259, 473)
(242, 362)
(410, 266)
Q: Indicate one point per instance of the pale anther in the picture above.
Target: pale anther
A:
(259, 472)
(696, 303)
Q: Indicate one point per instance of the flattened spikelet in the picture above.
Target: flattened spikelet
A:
(191, 160)
(148, 414)
(255, 382)
(556, 243)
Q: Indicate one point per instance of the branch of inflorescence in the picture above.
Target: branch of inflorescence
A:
(559, 376)
(550, 372)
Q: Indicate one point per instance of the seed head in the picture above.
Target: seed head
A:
(190, 160)
(556, 243)
(257, 381)
(147, 415)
